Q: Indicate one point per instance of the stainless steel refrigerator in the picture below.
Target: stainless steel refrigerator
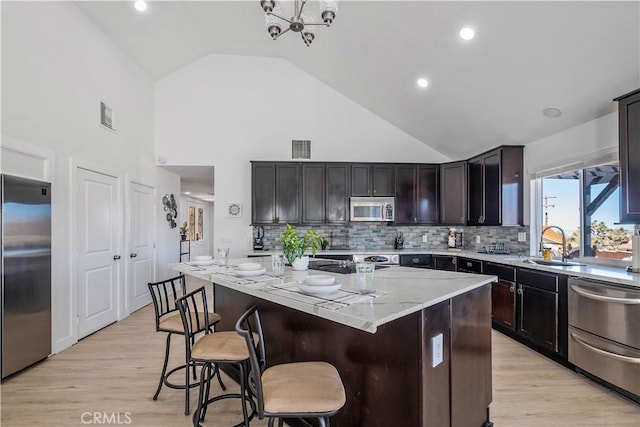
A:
(26, 272)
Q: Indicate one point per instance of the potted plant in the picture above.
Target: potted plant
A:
(183, 230)
(294, 246)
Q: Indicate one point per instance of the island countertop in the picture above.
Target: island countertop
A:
(400, 291)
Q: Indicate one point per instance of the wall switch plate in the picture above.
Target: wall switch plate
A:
(436, 350)
(477, 239)
(522, 236)
(425, 239)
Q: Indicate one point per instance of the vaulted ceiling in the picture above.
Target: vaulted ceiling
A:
(526, 56)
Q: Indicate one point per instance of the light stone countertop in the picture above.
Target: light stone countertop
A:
(399, 291)
(597, 272)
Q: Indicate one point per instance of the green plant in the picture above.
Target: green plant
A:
(295, 244)
(184, 228)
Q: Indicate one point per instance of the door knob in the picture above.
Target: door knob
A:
(116, 257)
(133, 254)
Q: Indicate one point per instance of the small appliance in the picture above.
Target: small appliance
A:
(399, 241)
(371, 209)
(258, 238)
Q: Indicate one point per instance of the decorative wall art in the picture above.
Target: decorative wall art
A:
(234, 210)
(171, 208)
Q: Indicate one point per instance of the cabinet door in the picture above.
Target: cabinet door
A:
(427, 211)
(538, 316)
(405, 194)
(629, 146)
(337, 192)
(447, 263)
(503, 304)
(313, 193)
(476, 192)
(287, 193)
(360, 180)
(263, 193)
(453, 193)
(383, 180)
(492, 189)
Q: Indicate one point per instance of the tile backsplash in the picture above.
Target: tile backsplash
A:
(380, 236)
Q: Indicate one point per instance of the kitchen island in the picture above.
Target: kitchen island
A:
(416, 353)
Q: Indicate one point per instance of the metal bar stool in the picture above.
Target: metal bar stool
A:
(168, 320)
(210, 350)
(289, 390)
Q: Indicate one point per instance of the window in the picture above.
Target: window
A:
(585, 204)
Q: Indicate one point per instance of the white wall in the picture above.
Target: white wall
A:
(56, 68)
(227, 110)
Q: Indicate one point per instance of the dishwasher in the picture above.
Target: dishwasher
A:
(604, 332)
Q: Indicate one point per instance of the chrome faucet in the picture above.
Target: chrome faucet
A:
(564, 240)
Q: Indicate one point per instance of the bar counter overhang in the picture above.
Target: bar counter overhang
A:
(381, 346)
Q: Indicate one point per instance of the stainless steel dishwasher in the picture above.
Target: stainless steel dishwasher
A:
(604, 332)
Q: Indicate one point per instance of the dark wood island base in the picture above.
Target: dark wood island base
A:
(388, 375)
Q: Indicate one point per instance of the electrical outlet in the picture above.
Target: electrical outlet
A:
(425, 239)
(436, 350)
(477, 239)
(522, 236)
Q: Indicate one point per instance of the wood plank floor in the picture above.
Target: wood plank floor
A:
(115, 371)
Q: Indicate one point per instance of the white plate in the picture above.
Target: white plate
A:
(246, 266)
(319, 290)
(205, 262)
(319, 280)
(203, 258)
(250, 273)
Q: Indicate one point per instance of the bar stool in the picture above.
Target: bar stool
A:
(289, 390)
(210, 350)
(168, 320)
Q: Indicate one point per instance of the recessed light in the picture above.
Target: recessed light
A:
(552, 112)
(467, 33)
(423, 83)
(187, 192)
(140, 5)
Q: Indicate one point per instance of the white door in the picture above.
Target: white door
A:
(98, 257)
(141, 245)
(197, 230)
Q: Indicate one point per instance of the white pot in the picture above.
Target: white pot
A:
(301, 263)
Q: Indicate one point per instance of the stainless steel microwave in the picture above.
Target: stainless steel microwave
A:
(371, 208)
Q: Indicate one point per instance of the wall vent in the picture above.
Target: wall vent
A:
(300, 149)
(107, 118)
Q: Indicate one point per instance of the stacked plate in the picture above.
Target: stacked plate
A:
(249, 269)
(319, 284)
(202, 260)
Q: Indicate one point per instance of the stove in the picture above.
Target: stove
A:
(342, 267)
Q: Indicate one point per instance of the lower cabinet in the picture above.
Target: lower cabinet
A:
(503, 295)
(444, 262)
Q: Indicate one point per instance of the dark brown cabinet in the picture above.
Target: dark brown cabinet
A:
(503, 295)
(337, 192)
(372, 180)
(275, 193)
(495, 187)
(444, 262)
(629, 150)
(453, 193)
(313, 193)
(416, 194)
(541, 306)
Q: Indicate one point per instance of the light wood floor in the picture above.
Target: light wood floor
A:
(115, 371)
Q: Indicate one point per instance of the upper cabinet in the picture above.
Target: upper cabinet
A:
(416, 194)
(313, 193)
(337, 192)
(275, 191)
(372, 180)
(453, 193)
(629, 149)
(494, 182)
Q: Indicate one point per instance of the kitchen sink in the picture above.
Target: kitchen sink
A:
(551, 262)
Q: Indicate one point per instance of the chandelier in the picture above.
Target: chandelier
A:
(302, 21)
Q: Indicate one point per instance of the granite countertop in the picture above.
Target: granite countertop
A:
(597, 272)
(399, 291)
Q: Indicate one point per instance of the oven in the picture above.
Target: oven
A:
(604, 332)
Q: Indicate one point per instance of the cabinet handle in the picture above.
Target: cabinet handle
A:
(415, 260)
(519, 291)
(116, 257)
(627, 359)
(512, 288)
(133, 255)
(597, 297)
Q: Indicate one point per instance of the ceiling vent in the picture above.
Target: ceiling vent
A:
(300, 149)
(107, 117)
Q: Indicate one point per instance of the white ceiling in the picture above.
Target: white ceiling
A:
(526, 56)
